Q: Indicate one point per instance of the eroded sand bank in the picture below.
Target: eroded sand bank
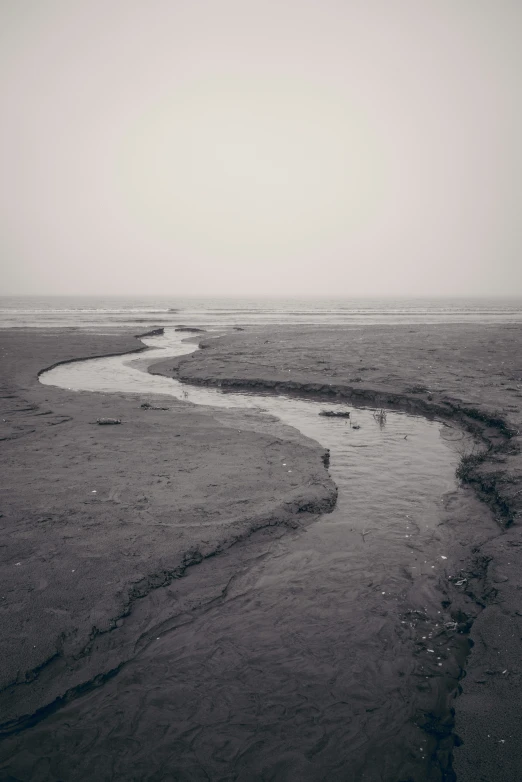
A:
(94, 518)
(469, 374)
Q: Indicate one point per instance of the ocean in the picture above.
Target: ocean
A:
(100, 312)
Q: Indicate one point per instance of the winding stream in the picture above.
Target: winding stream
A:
(326, 645)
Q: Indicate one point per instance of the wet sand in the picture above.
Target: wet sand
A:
(95, 518)
(78, 563)
(468, 374)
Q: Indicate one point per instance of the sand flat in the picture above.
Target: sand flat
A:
(94, 517)
(93, 523)
(468, 373)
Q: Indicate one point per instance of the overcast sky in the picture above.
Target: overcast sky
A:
(204, 147)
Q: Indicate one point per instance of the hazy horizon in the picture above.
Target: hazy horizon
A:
(257, 149)
(262, 297)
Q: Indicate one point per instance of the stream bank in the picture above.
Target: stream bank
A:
(468, 373)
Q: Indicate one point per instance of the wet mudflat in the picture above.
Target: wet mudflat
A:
(308, 655)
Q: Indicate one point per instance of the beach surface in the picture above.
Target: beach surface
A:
(96, 518)
(468, 374)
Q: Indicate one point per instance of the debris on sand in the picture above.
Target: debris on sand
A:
(380, 416)
(335, 413)
(107, 421)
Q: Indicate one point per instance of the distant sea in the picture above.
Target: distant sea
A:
(100, 313)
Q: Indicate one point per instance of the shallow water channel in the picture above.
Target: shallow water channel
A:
(327, 646)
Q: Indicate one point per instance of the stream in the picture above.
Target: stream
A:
(327, 645)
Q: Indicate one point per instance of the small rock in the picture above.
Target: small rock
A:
(107, 421)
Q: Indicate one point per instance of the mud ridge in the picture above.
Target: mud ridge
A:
(30, 720)
(286, 517)
(464, 604)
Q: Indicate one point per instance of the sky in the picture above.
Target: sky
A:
(261, 147)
